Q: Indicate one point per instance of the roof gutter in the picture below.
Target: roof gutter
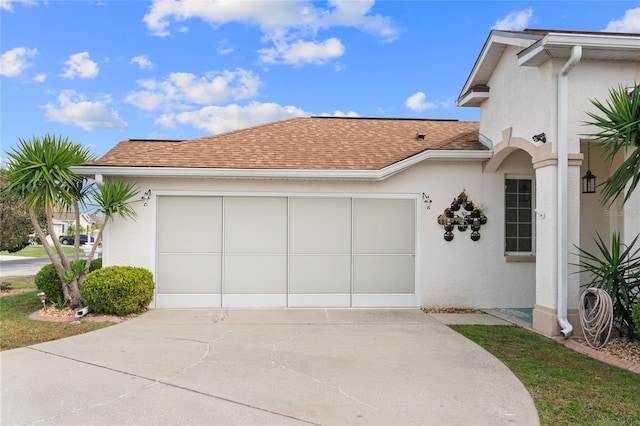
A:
(381, 174)
(563, 171)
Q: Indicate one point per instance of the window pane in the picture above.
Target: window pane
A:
(512, 200)
(524, 244)
(512, 230)
(524, 200)
(511, 185)
(512, 244)
(512, 215)
(524, 186)
(524, 215)
(524, 231)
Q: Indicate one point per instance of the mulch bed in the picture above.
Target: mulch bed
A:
(53, 314)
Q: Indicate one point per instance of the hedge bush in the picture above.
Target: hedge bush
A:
(118, 290)
(48, 281)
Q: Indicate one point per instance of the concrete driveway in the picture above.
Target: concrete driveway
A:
(279, 367)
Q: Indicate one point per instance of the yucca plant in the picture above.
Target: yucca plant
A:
(616, 270)
(619, 130)
(39, 174)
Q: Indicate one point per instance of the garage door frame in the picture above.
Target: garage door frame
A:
(291, 299)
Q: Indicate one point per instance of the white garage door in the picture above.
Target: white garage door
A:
(285, 251)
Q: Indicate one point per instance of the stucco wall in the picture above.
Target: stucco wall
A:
(525, 98)
(460, 273)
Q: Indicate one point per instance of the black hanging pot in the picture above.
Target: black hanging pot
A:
(483, 219)
(475, 235)
(462, 227)
(448, 227)
(455, 207)
(475, 226)
(448, 236)
(468, 206)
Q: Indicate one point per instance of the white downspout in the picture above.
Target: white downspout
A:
(563, 172)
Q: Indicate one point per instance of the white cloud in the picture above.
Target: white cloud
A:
(303, 52)
(515, 21)
(417, 102)
(79, 65)
(181, 89)
(630, 23)
(218, 119)
(14, 61)
(8, 4)
(285, 24)
(40, 78)
(225, 47)
(143, 62)
(74, 108)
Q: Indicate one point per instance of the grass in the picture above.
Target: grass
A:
(18, 330)
(567, 388)
(35, 251)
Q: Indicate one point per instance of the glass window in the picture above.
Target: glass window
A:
(519, 222)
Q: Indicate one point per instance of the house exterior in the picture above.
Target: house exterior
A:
(62, 221)
(348, 212)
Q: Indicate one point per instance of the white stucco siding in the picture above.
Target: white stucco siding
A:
(520, 97)
(525, 98)
(457, 273)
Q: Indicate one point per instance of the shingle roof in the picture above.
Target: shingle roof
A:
(307, 143)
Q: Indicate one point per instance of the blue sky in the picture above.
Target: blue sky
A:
(99, 72)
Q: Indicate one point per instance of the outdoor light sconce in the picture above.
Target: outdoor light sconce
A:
(540, 137)
(589, 179)
(420, 136)
(146, 197)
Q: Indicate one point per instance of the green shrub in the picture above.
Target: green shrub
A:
(636, 314)
(48, 281)
(118, 290)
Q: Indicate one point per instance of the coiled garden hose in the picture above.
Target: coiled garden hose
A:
(596, 315)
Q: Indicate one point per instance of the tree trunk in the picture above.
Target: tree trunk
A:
(73, 294)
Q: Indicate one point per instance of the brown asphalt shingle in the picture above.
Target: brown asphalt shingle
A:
(305, 143)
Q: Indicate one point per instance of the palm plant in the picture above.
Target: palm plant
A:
(617, 271)
(619, 130)
(39, 174)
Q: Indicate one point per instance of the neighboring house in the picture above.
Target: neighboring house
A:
(62, 221)
(344, 212)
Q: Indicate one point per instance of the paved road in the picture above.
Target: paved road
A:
(11, 266)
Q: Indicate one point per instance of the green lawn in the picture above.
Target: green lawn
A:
(567, 388)
(18, 330)
(36, 251)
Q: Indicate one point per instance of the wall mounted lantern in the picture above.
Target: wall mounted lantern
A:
(589, 179)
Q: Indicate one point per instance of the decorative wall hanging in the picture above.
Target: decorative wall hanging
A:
(462, 214)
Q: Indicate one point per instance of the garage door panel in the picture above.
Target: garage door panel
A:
(249, 274)
(303, 251)
(255, 225)
(320, 225)
(320, 274)
(189, 274)
(189, 224)
(384, 274)
(384, 226)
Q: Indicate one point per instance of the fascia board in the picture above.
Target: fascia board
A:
(538, 52)
(451, 155)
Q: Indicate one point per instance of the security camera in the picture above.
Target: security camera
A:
(540, 137)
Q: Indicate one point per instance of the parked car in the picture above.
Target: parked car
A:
(70, 239)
